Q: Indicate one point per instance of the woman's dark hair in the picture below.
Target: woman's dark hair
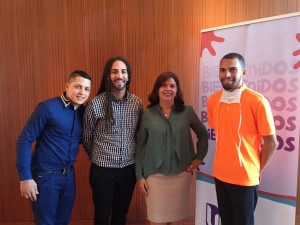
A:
(153, 98)
(106, 87)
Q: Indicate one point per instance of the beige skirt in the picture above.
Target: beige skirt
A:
(168, 199)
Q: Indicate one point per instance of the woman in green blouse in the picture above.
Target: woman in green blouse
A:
(165, 157)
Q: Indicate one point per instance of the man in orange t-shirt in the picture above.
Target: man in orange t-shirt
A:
(241, 119)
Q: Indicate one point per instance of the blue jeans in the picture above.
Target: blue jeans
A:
(55, 199)
(236, 203)
(112, 192)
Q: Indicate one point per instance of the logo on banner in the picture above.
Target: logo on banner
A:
(212, 214)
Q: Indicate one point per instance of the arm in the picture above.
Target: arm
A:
(202, 142)
(140, 155)
(268, 148)
(267, 131)
(140, 114)
(140, 150)
(210, 119)
(202, 135)
(29, 134)
(31, 131)
(89, 124)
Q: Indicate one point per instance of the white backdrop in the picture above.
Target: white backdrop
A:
(271, 48)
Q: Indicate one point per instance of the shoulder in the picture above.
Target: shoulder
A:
(51, 103)
(98, 99)
(188, 112)
(54, 100)
(48, 108)
(188, 107)
(134, 97)
(214, 96)
(152, 111)
(135, 101)
(252, 95)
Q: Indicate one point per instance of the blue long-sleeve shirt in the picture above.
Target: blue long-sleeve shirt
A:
(56, 127)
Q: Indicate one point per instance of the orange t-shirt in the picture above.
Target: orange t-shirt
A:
(234, 164)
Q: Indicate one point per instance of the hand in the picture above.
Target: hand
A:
(193, 166)
(144, 187)
(29, 189)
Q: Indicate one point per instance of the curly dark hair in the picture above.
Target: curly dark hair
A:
(105, 85)
(153, 98)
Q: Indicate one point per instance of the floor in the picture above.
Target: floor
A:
(89, 222)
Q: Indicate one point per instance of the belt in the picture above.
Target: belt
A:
(62, 171)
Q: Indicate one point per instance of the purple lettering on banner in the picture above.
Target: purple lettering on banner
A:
(211, 86)
(292, 104)
(205, 87)
(265, 86)
(287, 145)
(293, 85)
(290, 144)
(211, 134)
(212, 213)
(289, 124)
(211, 71)
(204, 101)
(279, 86)
(281, 67)
(291, 121)
(203, 116)
(278, 103)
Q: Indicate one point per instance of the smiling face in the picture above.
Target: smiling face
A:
(78, 90)
(231, 73)
(118, 77)
(167, 91)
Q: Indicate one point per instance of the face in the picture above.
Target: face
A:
(78, 90)
(118, 76)
(231, 73)
(167, 90)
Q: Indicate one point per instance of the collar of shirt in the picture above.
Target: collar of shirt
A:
(116, 99)
(65, 100)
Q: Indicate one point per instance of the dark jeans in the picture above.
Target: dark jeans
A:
(55, 199)
(112, 192)
(236, 203)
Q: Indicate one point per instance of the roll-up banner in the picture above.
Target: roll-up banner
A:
(271, 48)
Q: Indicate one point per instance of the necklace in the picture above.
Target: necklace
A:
(166, 111)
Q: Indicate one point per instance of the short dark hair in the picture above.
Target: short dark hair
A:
(105, 83)
(154, 98)
(79, 73)
(234, 55)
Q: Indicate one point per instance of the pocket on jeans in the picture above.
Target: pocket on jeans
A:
(41, 178)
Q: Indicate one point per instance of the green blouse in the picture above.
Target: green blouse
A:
(165, 145)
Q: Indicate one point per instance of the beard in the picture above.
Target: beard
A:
(231, 86)
(228, 87)
(117, 87)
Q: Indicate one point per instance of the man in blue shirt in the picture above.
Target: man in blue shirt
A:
(47, 175)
